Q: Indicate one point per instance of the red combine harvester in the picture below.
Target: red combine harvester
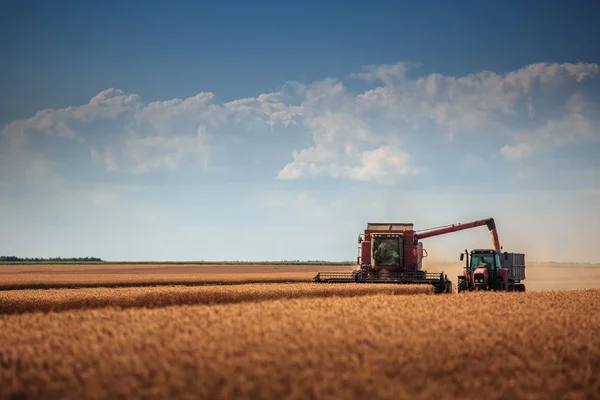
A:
(392, 253)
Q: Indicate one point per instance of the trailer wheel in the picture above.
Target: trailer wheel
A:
(520, 287)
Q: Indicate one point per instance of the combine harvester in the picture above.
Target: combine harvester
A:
(392, 253)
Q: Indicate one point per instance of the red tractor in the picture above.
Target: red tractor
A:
(488, 269)
(392, 253)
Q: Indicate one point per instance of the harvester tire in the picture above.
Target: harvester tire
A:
(448, 287)
(439, 288)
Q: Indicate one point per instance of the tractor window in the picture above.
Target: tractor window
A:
(387, 251)
(482, 261)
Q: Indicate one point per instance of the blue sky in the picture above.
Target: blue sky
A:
(277, 130)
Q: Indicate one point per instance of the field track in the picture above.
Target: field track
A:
(540, 276)
(535, 345)
(48, 276)
(21, 301)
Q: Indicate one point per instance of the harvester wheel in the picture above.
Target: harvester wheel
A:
(448, 287)
(439, 288)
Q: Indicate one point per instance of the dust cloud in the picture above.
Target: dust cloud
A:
(539, 276)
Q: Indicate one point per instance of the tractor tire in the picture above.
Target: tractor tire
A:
(500, 286)
(461, 285)
(520, 287)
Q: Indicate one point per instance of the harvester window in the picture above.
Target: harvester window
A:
(387, 251)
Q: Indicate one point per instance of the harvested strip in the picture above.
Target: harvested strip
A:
(136, 275)
(476, 345)
(60, 281)
(20, 301)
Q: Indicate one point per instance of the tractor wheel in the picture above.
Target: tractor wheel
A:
(520, 287)
(461, 285)
(500, 285)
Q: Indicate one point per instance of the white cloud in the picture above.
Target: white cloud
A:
(381, 165)
(540, 106)
(519, 151)
(156, 152)
(339, 139)
(355, 136)
(270, 108)
(485, 100)
(122, 133)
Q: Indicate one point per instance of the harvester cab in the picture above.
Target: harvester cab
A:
(386, 251)
(489, 269)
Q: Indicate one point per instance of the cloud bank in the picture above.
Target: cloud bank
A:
(365, 136)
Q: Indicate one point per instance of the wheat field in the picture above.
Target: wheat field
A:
(541, 276)
(47, 276)
(264, 332)
(381, 346)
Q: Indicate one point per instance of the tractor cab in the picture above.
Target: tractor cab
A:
(487, 259)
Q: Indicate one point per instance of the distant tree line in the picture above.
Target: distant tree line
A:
(53, 259)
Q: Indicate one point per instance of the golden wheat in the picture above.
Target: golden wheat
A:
(493, 345)
(540, 276)
(64, 276)
(18, 301)
(58, 281)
